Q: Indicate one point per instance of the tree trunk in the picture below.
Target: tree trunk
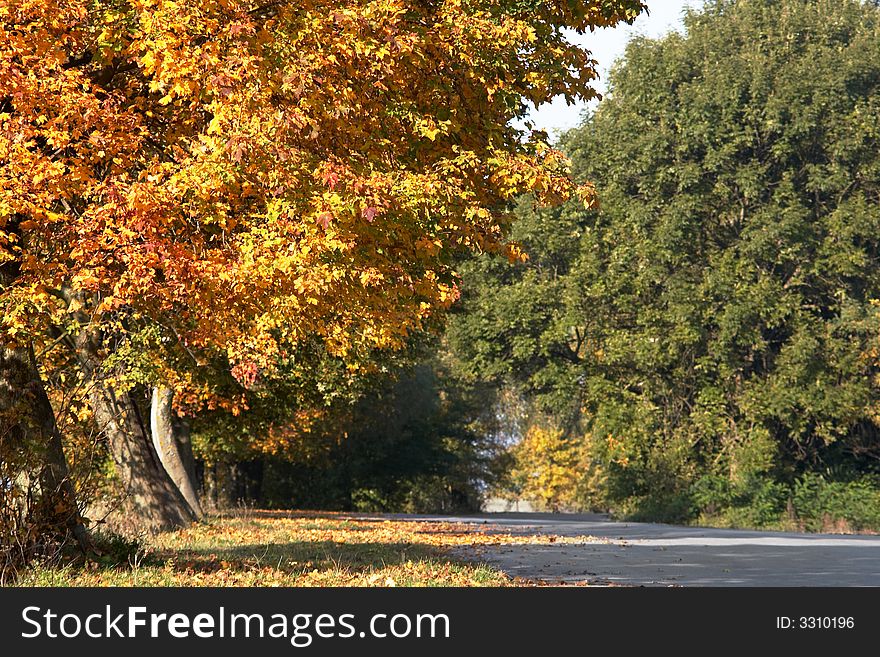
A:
(149, 491)
(172, 443)
(27, 418)
(222, 480)
(29, 422)
(233, 483)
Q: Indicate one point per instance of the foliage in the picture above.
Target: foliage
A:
(282, 408)
(415, 440)
(247, 176)
(823, 505)
(814, 502)
(715, 320)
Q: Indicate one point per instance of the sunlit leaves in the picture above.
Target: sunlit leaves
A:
(250, 175)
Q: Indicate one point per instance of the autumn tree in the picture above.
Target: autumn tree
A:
(547, 468)
(244, 175)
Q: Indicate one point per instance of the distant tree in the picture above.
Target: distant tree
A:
(408, 438)
(547, 468)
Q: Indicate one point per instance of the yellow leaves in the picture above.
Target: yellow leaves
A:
(310, 171)
(148, 60)
(429, 128)
(371, 552)
(86, 280)
(367, 278)
(184, 87)
(447, 294)
(547, 466)
(586, 194)
(107, 304)
(214, 126)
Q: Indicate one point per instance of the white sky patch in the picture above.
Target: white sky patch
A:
(606, 46)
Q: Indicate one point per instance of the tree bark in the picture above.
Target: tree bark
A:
(149, 491)
(172, 443)
(27, 418)
(29, 422)
(229, 484)
(217, 488)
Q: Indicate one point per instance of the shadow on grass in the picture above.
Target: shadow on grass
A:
(251, 547)
(279, 514)
(293, 558)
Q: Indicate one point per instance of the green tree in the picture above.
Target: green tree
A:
(403, 437)
(715, 317)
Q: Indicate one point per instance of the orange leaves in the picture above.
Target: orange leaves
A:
(247, 373)
(431, 247)
(324, 220)
(515, 254)
(586, 194)
(251, 176)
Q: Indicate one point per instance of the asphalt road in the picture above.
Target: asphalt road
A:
(645, 554)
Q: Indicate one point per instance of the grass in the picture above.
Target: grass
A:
(264, 548)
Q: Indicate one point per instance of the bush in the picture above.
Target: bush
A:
(812, 503)
(821, 505)
(28, 530)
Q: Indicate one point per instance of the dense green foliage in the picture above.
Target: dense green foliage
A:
(413, 445)
(407, 438)
(712, 329)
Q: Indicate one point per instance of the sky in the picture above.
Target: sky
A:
(607, 45)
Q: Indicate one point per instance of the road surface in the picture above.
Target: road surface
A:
(644, 554)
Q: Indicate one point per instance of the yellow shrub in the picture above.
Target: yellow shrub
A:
(548, 468)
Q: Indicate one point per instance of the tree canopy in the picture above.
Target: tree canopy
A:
(245, 170)
(714, 323)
